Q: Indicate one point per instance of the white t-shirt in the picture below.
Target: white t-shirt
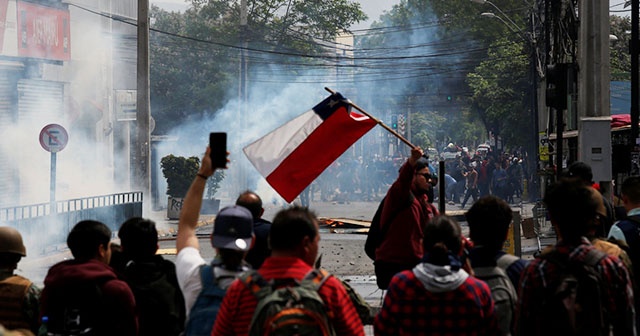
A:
(188, 263)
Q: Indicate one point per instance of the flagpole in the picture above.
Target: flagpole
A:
(377, 121)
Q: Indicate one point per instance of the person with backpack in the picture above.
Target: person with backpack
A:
(405, 212)
(489, 219)
(584, 174)
(19, 296)
(437, 296)
(264, 302)
(627, 231)
(83, 295)
(204, 284)
(573, 288)
(153, 280)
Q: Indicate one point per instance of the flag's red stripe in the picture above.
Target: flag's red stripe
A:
(323, 146)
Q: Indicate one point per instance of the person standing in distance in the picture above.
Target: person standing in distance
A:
(261, 227)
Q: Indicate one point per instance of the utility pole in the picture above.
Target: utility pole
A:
(594, 93)
(635, 99)
(142, 147)
(242, 88)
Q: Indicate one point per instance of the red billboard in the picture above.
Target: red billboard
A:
(43, 32)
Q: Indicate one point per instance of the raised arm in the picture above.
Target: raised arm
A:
(191, 206)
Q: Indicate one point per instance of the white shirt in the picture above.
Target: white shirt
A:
(188, 263)
(615, 231)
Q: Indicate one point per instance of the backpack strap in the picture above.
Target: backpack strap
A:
(506, 260)
(317, 277)
(592, 258)
(206, 275)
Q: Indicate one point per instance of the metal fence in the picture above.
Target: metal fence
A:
(46, 228)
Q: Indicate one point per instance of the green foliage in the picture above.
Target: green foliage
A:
(194, 77)
(619, 50)
(213, 184)
(500, 86)
(179, 172)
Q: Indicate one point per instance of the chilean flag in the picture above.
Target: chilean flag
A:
(296, 153)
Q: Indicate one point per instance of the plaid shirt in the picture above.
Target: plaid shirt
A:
(409, 309)
(540, 273)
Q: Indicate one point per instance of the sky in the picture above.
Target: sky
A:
(373, 8)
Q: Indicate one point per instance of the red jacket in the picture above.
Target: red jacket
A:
(239, 303)
(408, 215)
(119, 304)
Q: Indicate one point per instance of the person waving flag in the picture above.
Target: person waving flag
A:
(296, 153)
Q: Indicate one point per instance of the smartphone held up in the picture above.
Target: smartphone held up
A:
(218, 153)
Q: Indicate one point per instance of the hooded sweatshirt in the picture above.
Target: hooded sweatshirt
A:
(439, 279)
(436, 300)
(118, 303)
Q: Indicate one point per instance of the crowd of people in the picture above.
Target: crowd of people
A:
(473, 176)
(265, 278)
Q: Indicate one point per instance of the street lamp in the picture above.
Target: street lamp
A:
(512, 27)
(536, 71)
(482, 2)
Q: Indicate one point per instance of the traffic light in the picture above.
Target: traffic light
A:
(449, 98)
(401, 124)
(556, 93)
(394, 121)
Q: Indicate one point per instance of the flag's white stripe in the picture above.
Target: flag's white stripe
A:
(268, 152)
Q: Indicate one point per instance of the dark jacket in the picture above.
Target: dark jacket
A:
(159, 300)
(117, 301)
(260, 250)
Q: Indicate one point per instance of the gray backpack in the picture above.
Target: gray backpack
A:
(503, 292)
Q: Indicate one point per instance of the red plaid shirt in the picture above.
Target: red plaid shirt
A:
(541, 272)
(239, 303)
(409, 309)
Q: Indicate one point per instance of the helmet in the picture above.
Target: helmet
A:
(11, 241)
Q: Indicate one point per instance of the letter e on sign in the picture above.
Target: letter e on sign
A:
(53, 138)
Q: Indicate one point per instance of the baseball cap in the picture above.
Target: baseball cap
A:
(233, 228)
(580, 170)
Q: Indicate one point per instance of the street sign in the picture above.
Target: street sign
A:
(53, 138)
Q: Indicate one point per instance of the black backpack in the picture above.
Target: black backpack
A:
(574, 304)
(76, 309)
(377, 232)
(159, 300)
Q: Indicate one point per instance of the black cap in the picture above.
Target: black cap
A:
(233, 228)
(581, 170)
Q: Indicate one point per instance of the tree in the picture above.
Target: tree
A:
(620, 56)
(443, 41)
(500, 85)
(194, 68)
(179, 172)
